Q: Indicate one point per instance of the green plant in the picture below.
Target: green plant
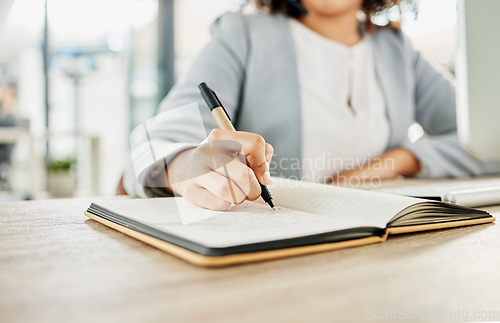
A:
(60, 165)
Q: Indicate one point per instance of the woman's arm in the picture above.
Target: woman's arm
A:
(440, 154)
(221, 64)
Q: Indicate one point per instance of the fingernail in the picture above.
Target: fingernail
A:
(267, 178)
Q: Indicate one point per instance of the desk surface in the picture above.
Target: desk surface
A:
(56, 265)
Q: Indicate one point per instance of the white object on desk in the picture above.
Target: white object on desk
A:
(480, 192)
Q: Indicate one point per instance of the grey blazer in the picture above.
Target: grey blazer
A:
(251, 64)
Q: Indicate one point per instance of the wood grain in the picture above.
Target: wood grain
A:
(56, 265)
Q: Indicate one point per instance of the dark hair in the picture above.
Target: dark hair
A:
(369, 7)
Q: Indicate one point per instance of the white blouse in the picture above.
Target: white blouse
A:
(344, 122)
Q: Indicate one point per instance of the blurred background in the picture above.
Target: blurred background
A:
(77, 76)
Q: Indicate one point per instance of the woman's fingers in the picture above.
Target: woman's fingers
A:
(243, 177)
(206, 199)
(255, 149)
(269, 153)
(222, 187)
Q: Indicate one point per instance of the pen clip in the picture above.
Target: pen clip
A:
(220, 104)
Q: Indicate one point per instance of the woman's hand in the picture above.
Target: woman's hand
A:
(392, 163)
(225, 169)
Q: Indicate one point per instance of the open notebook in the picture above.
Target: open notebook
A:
(309, 218)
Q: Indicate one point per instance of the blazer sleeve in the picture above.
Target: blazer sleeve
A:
(184, 120)
(440, 153)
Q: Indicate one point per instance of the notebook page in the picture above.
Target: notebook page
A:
(364, 207)
(249, 222)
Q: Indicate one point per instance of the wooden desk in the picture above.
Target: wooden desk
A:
(58, 266)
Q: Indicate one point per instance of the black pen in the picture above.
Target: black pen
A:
(224, 122)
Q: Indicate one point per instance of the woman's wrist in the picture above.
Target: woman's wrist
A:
(401, 161)
(174, 171)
